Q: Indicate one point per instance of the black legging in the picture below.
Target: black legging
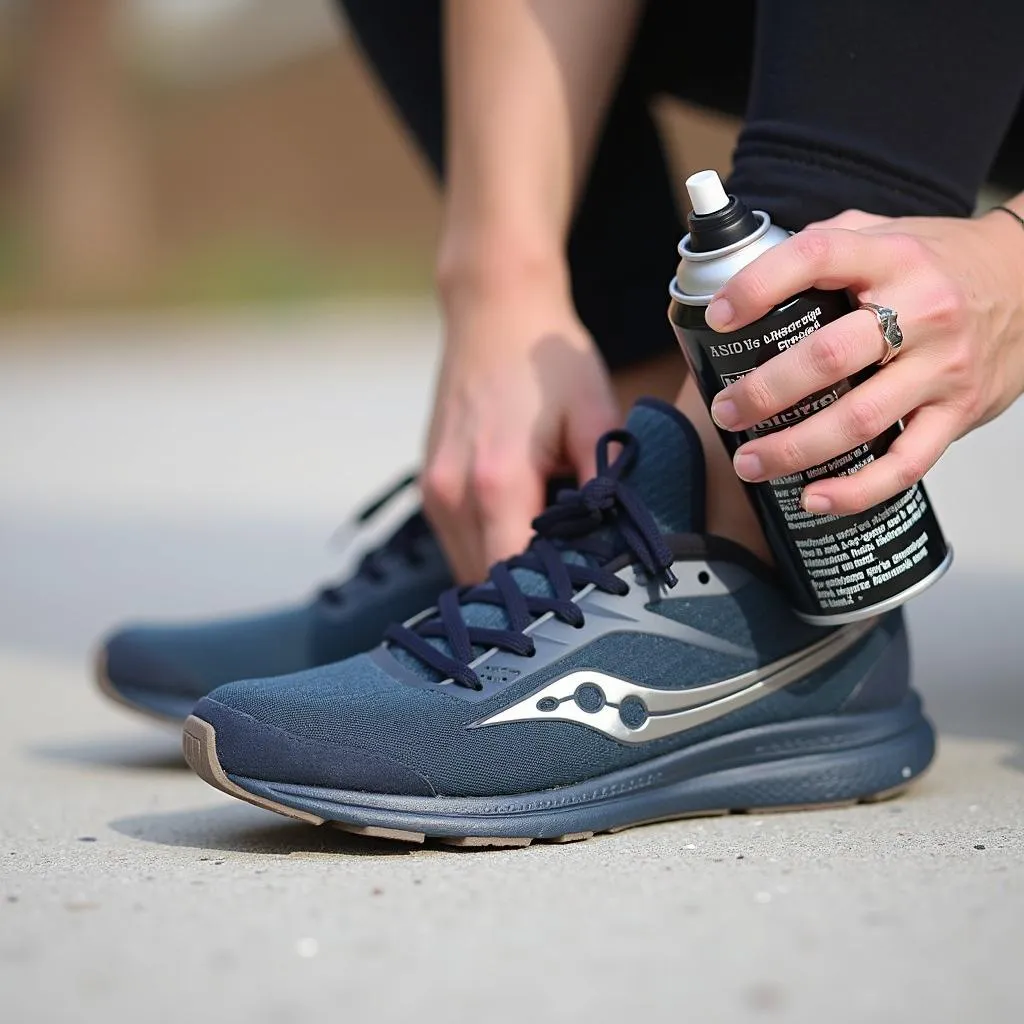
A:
(897, 107)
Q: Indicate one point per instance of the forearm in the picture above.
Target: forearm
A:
(528, 84)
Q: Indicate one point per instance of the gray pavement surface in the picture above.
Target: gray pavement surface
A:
(173, 467)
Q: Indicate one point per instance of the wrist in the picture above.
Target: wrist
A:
(1006, 232)
(492, 261)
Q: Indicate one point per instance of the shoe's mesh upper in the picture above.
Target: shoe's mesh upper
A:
(355, 726)
(757, 617)
(370, 607)
(357, 706)
(669, 475)
(192, 659)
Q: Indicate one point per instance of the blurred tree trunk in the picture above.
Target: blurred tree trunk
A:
(86, 180)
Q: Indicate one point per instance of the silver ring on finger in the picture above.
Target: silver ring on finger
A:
(888, 322)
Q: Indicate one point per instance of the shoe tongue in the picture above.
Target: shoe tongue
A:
(668, 474)
(669, 470)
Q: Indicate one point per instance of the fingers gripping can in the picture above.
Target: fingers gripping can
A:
(837, 569)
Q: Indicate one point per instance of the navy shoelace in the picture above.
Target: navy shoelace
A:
(403, 545)
(598, 521)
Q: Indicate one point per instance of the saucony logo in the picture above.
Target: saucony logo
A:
(631, 713)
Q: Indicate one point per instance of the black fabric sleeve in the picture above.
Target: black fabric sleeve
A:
(897, 107)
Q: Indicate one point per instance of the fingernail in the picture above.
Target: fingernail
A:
(816, 503)
(725, 413)
(748, 466)
(719, 314)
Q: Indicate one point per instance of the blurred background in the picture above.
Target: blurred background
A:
(168, 152)
(181, 152)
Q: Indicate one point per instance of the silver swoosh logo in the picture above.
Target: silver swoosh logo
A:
(658, 713)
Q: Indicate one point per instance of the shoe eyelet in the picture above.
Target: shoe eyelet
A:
(703, 577)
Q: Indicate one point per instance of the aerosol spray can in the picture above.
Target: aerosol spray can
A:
(837, 569)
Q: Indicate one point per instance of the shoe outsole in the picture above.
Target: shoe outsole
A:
(111, 692)
(199, 744)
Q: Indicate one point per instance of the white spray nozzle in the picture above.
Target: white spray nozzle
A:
(706, 192)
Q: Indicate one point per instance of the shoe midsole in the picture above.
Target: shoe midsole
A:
(815, 760)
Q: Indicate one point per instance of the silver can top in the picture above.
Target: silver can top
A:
(701, 274)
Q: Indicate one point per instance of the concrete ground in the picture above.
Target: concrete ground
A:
(164, 468)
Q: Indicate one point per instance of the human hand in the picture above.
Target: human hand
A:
(958, 287)
(522, 395)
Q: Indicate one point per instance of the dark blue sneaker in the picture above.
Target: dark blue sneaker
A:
(163, 670)
(626, 668)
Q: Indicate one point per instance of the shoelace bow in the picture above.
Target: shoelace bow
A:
(403, 544)
(574, 523)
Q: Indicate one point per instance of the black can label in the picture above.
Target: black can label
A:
(836, 567)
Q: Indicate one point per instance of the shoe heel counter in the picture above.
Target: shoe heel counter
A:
(887, 682)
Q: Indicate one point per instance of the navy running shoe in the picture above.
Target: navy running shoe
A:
(162, 670)
(626, 668)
